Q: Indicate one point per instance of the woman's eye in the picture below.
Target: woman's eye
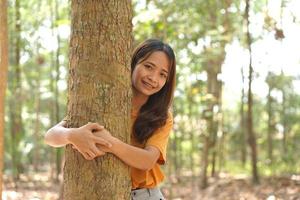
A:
(148, 66)
(163, 75)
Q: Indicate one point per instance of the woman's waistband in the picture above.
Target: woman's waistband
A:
(137, 191)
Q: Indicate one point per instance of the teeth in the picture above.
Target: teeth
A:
(148, 85)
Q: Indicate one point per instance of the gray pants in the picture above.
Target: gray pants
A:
(147, 194)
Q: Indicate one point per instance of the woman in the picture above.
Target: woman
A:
(153, 68)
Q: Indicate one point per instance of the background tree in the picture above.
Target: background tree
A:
(3, 75)
(15, 102)
(251, 133)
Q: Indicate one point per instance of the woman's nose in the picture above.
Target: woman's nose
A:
(153, 78)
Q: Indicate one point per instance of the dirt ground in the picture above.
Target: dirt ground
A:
(39, 187)
(276, 188)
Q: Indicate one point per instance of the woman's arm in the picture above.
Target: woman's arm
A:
(81, 138)
(143, 159)
(58, 135)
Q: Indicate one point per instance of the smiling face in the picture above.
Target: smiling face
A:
(150, 74)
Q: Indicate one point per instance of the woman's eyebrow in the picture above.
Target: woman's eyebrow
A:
(165, 71)
(151, 63)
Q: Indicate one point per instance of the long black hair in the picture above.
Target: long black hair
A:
(154, 113)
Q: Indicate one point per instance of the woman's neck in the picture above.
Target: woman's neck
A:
(138, 100)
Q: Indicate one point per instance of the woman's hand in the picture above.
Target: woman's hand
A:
(105, 135)
(85, 141)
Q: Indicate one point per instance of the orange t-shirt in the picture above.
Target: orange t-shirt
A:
(151, 178)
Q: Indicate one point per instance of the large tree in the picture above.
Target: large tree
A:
(3, 76)
(99, 90)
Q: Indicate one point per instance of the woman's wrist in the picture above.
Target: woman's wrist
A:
(69, 135)
(114, 144)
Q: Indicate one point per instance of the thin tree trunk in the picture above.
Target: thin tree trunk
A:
(99, 90)
(214, 149)
(3, 79)
(242, 123)
(214, 87)
(15, 102)
(251, 134)
(204, 161)
(220, 126)
(209, 137)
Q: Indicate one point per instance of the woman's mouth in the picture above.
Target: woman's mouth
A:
(147, 85)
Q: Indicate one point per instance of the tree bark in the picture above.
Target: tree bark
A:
(99, 90)
(3, 78)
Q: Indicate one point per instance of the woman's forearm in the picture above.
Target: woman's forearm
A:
(57, 136)
(143, 159)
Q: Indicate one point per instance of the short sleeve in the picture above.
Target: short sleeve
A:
(160, 139)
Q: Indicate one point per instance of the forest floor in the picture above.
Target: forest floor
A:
(38, 187)
(237, 188)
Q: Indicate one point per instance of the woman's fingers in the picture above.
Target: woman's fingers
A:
(91, 155)
(94, 126)
(87, 156)
(95, 150)
(101, 153)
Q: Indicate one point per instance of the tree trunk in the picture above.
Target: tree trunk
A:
(15, 103)
(220, 131)
(251, 134)
(99, 90)
(214, 88)
(242, 123)
(3, 79)
(204, 160)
